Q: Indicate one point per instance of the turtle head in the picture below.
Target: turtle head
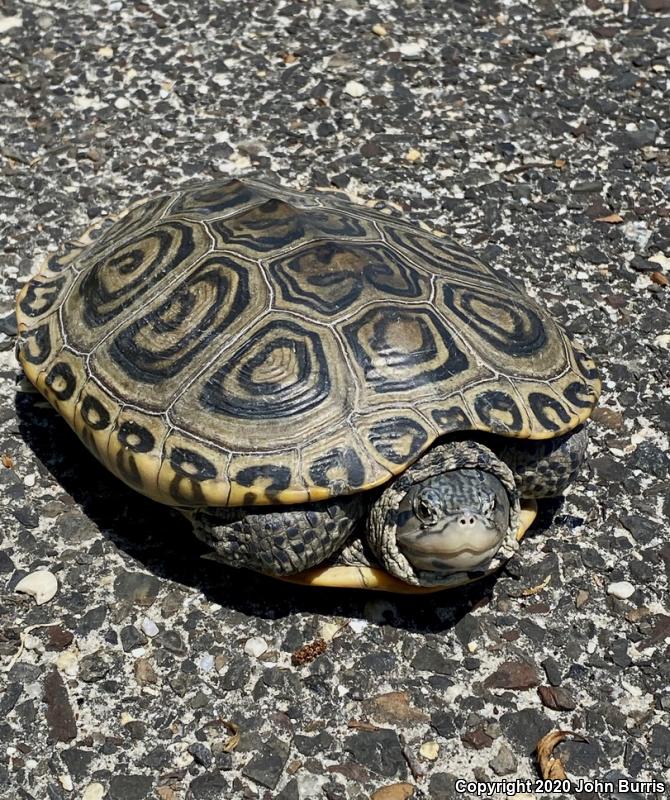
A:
(453, 521)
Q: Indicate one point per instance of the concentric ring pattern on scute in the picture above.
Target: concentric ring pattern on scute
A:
(239, 343)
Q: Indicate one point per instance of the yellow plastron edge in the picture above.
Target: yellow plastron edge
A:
(348, 577)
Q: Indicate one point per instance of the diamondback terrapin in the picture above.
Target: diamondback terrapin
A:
(329, 393)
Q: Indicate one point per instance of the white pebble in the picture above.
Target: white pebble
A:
(42, 585)
(94, 791)
(329, 630)
(7, 23)
(411, 49)
(355, 89)
(31, 642)
(636, 231)
(149, 627)
(255, 646)
(429, 750)
(121, 103)
(29, 480)
(621, 589)
(66, 782)
(68, 662)
(660, 259)
(358, 625)
(588, 73)
(205, 662)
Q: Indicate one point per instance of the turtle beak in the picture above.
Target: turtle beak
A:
(461, 542)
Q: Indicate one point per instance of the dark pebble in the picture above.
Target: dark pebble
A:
(27, 516)
(266, 766)
(130, 787)
(659, 745)
(77, 761)
(477, 739)
(379, 751)
(556, 698)
(443, 785)
(513, 675)
(643, 265)
(552, 670)
(8, 325)
(430, 660)
(9, 698)
(583, 758)
(444, 723)
(467, 629)
(137, 587)
(525, 728)
(58, 638)
(94, 667)
(289, 792)
(202, 754)
(132, 637)
(171, 640)
(59, 713)
(159, 758)
(619, 653)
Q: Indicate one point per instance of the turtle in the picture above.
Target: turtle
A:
(331, 393)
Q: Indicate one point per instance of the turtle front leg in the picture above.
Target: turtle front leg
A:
(278, 540)
(545, 468)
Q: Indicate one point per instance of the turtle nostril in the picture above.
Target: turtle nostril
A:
(462, 520)
(472, 520)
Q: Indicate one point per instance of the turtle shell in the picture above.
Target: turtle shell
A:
(237, 343)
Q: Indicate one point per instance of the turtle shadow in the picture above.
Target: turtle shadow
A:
(161, 541)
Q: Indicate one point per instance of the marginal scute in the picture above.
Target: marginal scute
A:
(94, 419)
(94, 414)
(61, 381)
(266, 478)
(41, 296)
(586, 365)
(191, 464)
(579, 394)
(396, 439)
(339, 467)
(498, 411)
(549, 412)
(135, 437)
(452, 418)
(35, 346)
(238, 343)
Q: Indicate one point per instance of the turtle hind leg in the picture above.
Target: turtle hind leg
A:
(278, 540)
(544, 468)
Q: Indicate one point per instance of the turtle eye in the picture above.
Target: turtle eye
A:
(427, 506)
(488, 506)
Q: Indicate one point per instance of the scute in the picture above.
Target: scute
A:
(238, 343)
